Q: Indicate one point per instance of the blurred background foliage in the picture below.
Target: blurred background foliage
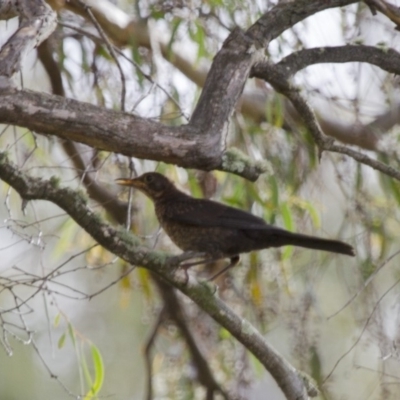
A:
(334, 318)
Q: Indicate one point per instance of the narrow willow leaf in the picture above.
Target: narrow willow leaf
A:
(61, 341)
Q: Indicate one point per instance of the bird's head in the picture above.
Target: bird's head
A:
(152, 184)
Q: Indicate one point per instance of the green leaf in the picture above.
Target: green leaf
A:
(359, 177)
(196, 33)
(57, 320)
(200, 39)
(252, 191)
(274, 191)
(102, 52)
(312, 211)
(224, 334)
(98, 373)
(61, 341)
(257, 366)
(274, 111)
(289, 225)
(315, 364)
(157, 13)
(98, 369)
(274, 197)
(194, 186)
(88, 377)
(175, 25)
(389, 184)
(69, 229)
(71, 333)
(287, 216)
(136, 56)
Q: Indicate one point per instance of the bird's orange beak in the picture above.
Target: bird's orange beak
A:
(137, 183)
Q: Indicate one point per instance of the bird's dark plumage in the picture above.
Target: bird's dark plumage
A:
(221, 231)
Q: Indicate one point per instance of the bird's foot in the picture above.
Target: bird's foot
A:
(176, 261)
(233, 261)
(203, 258)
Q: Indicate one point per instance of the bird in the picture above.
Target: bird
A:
(215, 229)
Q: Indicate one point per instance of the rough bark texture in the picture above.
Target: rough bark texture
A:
(37, 22)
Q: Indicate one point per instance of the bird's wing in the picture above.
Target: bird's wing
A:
(207, 213)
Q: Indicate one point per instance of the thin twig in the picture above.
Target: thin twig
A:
(130, 195)
(366, 283)
(147, 353)
(96, 39)
(362, 332)
(110, 49)
(126, 273)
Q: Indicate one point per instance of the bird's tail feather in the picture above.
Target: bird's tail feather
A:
(284, 238)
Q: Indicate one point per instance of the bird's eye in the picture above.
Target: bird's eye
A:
(148, 178)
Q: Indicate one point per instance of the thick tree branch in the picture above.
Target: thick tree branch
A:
(119, 132)
(112, 131)
(286, 14)
(386, 59)
(128, 247)
(37, 22)
(225, 82)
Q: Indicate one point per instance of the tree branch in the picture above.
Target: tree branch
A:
(119, 132)
(113, 131)
(365, 136)
(37, 22)
(280, 83)
(386, 59)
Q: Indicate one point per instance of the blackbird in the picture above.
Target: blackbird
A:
(220, 231)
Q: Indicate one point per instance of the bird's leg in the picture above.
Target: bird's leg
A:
(187, 255)
(233, 261)
(177, 260)
(194, 263)
(186, 266)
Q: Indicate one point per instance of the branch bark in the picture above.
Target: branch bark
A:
(37, 22)
(114, 131)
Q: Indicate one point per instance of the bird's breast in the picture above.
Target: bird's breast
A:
(195, 238)
(210, 240)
